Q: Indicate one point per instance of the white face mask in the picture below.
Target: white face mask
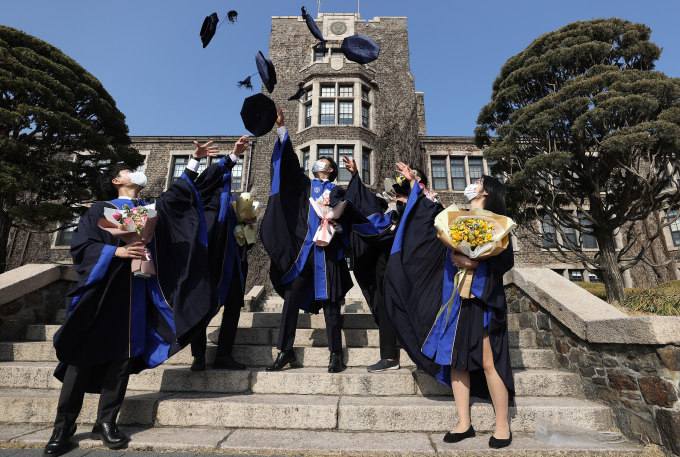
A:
(138, 178)
(319, 165)
(470, 192)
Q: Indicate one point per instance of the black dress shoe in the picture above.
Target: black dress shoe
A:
(109, 434)
(227, 362)
(59, 443)
(198, 365)
(335, 364)
(497, 443)
(284, 358)
(455, 437)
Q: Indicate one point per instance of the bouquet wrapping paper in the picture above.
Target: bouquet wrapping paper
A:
(324, 234)
(140, 267)
(246, 213)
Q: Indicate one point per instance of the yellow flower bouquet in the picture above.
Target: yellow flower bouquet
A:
(246, 213)
(478, 234)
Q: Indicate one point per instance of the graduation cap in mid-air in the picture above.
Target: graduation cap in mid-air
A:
(360, 49)
(258, 114)
(314, 29)
(266, 70)
(209, 26)
(301, 91)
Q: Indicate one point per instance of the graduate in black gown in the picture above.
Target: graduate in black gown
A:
(371, 245)
(307, 276)
(418, 282)
(118, 323)
(228, 261)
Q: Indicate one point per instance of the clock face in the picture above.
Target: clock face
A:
(338, 28)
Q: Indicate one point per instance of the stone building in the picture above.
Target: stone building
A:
(369, 112)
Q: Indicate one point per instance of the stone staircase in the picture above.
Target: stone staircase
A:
(306, 400)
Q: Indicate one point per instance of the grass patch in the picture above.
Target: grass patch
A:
(662, 300)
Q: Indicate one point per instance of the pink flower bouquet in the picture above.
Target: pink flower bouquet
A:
(133, 225)
(326, 230)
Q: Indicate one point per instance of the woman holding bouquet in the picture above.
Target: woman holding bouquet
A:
(462, 342)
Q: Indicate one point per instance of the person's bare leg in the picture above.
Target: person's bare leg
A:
(497, 389)
(460, 381)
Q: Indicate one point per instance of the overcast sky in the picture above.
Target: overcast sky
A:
(149, 56)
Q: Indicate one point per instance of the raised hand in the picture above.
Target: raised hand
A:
(350, 165)
(280, 119)
(205, 150)
(131, 251)
(241, 145)
(407, 172)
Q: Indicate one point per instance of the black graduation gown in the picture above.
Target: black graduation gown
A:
(288, 227)
(371, 237)
(113, 315)
(226, 268)
(418, 284)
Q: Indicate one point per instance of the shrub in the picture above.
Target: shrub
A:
(661, 301)
(594, 288)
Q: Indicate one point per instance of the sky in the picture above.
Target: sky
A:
(148, 53)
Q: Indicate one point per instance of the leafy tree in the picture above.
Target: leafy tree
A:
(589, 136)
(58, 130)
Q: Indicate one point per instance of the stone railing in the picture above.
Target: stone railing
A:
(630, 363)
(32, 294)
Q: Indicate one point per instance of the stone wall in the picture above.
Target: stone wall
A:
(640, 382)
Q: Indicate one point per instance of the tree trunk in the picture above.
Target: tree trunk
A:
(611, 273)
(5, 225)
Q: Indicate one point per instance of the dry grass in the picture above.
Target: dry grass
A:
(662, 300)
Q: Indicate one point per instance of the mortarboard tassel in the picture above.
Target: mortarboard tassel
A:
(231, 16)
(298, 94)
(245, 83)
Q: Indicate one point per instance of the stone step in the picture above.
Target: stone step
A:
(273, 320)
(394, 414)
(304, 381)
(257, 356)
(259, 442)
(304, 336)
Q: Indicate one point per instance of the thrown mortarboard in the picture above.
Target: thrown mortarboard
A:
(258, 114)
(209, 26)
(360, 49)
(311, 25)
(402, 187)
(266, 70)
(301, 91)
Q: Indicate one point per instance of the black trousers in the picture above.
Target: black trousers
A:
(230, 317)
(291, 309)
(388, 339)
(115, 374)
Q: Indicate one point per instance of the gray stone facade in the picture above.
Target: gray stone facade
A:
(384, 90)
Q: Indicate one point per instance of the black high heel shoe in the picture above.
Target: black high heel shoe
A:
(456, 437)
(497, 443)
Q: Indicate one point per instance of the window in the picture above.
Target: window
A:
(364, 115)
(305, 161)
(336, 52)
(64, 237)
(201, 165)
(549, 235)
(236, 174)
(366, 166)
(576, 275)
(592, 277)
(308, 115)
(308, 94)
(587, 241)
(140, 169)
(570, 235)
(179, 163)
(347, 91)
(675, 227)
(346, 113)
(327, 115)
(319, 55)
(458, 173)
(476, 166)
(343, 174)
(364, 94)
(439, 174)
(490, 164)
(328, 91)
(325, 151)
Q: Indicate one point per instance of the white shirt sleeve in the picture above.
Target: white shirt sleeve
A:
(193, 165)
(282, 133)
(233, 158)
